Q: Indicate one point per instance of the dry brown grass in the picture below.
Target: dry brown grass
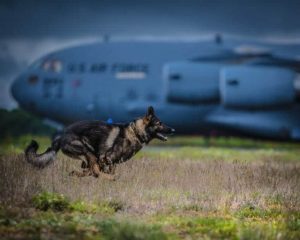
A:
(149, 185)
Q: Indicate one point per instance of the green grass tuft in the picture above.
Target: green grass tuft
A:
(50, 201)
(113, 230)
(108, 207)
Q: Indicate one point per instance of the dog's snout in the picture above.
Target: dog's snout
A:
(171, 130)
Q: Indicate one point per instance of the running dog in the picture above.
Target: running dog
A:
(100, 145)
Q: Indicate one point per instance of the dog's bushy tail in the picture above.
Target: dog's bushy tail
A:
(44, 159)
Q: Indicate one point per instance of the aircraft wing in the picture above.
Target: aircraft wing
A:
(255, 53)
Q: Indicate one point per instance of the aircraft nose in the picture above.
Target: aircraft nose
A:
(16, 88)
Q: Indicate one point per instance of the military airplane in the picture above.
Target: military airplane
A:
(246, 87)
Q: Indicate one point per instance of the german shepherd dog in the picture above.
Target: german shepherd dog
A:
(99, 145)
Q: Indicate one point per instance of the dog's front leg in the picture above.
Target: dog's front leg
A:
(112, 169)
(107, 168)
(95, 167)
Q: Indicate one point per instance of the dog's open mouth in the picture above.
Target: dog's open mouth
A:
(162, 137)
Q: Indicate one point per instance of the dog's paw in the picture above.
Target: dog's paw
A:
(109, 177)
(96, 175)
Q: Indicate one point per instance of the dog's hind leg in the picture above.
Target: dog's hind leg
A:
(74, 148)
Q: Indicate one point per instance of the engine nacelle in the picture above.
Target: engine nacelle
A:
(189, 82)
(256, 87)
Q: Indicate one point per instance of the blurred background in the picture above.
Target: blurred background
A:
(32, 29)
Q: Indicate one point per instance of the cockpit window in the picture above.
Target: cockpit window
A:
(54, 65)
(46, 65)
(57, 66)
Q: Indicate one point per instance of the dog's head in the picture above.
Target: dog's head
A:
(154, 127)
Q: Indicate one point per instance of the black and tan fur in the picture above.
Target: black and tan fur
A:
(101, 145)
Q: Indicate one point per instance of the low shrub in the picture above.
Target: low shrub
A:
(113, 230)
(50, 201)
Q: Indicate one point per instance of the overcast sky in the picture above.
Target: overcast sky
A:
(31, 28)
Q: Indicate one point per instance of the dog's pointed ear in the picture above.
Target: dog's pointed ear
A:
(150, 112)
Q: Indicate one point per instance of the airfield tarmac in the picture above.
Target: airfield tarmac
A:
(187, 188)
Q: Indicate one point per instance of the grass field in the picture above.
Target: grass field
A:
(188, 188)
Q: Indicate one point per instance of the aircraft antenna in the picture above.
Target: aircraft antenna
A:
(106, 38)
(218, 38)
